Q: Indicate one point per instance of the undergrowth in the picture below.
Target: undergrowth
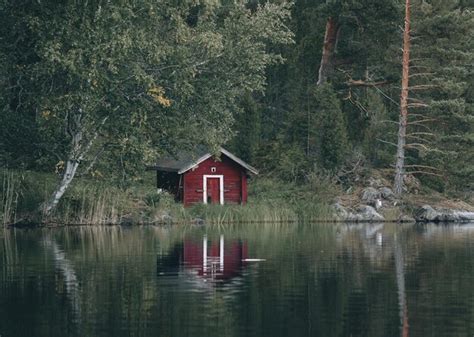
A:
(96, 202)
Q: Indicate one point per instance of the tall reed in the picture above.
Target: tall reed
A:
(94, 205)
(9, 195)
(251, 213)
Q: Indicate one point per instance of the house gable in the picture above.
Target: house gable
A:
(232, 174)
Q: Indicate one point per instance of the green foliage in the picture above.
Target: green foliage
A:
(334, 142)
(377, 127)
(284, 161)
(136, 77)
(248, 121)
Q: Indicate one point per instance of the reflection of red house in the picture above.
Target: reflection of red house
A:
(216, 259)
(210, 259)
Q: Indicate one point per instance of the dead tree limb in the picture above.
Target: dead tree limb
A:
(425, 172)
(362, 83)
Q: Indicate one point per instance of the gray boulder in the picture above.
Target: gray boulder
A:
(387, 193)
(340, 211)
(406, 218)
(464, 216)
(363, 213)
(426, 213)
(370, 195)
(368, 213)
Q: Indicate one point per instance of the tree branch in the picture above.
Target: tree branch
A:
(425, 172)
(389, 143)
(362, 83)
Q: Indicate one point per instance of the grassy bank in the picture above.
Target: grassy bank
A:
(97, 202)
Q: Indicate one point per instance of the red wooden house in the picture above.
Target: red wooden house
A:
(204, 178)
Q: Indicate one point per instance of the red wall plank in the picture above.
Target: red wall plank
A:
(244, 188)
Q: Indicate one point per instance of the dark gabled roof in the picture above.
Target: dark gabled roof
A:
(183, 162)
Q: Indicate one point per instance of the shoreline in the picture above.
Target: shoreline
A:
(201, 223)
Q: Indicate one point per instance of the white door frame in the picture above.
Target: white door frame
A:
(221, 187)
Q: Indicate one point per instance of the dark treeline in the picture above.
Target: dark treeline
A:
(100, 88)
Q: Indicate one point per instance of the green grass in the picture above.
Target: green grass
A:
(97, 202)
(269, 201)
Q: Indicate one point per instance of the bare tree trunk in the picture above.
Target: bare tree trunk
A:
(402, 127)
(329, 46)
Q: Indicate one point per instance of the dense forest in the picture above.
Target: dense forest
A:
(318, 114)
(305, 90)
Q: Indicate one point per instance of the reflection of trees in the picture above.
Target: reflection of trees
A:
(9, 252)
(400, 274)
(68, 272)
(327, 280)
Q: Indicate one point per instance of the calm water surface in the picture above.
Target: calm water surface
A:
(252, 280)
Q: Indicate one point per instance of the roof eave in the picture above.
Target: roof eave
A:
(239, 161)
(197, 162)
(249, 168)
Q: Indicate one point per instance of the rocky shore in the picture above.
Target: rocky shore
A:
(377, 203)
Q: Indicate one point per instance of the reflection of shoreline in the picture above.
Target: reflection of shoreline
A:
(456, 231)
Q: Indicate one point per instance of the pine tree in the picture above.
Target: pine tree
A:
(403, 121)
(333, 139)
(442, 125)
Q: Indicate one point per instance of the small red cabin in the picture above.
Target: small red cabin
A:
(205, 178)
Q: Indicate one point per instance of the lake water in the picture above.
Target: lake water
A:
(246, 280)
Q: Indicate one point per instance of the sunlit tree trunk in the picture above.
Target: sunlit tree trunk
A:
(329, 46)
(402, 127)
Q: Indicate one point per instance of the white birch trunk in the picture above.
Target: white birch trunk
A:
(69, 173)
(77, 154)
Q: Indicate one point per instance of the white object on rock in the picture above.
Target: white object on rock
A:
(378, 204)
